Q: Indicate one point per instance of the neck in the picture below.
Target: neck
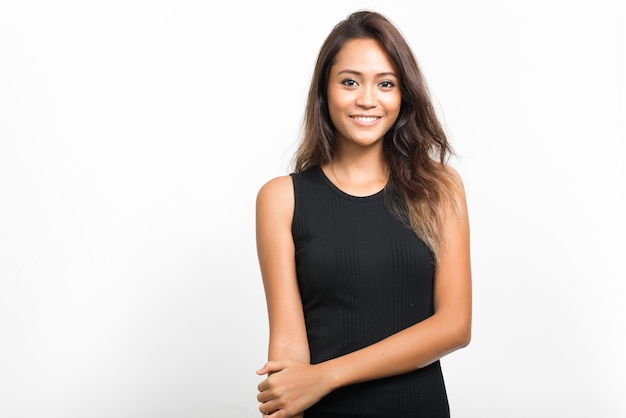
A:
(363, 163)
(358, 174)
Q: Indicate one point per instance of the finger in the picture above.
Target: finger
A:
(272, 367)
(263, 370)
(268, 408)
(264, 396)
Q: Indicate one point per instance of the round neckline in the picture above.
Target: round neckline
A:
(349, 196)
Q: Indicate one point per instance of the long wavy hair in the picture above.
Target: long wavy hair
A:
(416, 148)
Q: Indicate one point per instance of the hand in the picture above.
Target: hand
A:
(290, 388)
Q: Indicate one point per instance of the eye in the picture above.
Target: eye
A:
(386, 84)
(349, 82)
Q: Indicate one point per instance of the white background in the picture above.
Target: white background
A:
(135, 134)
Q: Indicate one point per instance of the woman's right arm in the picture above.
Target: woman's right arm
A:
(276, 252)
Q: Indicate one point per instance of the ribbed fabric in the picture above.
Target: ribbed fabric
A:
(363, 275)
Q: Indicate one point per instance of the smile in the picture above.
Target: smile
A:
(366, 119)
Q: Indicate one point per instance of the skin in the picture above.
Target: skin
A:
(363, 102)
(362, 83)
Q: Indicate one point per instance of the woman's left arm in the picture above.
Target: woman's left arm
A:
(447, 330)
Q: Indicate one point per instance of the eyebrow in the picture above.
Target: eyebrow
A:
(348, 71)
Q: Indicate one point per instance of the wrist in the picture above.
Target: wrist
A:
(329, 374)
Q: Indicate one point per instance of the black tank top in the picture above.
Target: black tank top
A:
(363, 275)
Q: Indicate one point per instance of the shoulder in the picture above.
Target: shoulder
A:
(276, 196)
(452, 174)
(452, 179)
(284, 187)
(454, 195)
(276, 188)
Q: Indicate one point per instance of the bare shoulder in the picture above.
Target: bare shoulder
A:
(277, 184)
(453, 175)
(276, 196)
(277, 189)
(455, 184)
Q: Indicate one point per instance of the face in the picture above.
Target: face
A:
(363, 94)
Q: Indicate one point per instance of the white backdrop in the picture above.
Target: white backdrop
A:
(135, 134)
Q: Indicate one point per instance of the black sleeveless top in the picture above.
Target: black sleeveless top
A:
(363, 275)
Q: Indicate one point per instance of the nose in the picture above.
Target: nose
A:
(366, 97)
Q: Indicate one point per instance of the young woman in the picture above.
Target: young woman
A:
(364, 249)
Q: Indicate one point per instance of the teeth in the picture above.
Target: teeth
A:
(366, 118)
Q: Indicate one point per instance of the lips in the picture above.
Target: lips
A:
(366, 119)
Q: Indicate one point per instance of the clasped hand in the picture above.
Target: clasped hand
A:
(290, 388)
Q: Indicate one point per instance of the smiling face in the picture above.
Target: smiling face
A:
(363, 94)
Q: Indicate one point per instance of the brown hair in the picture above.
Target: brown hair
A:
(415, 148)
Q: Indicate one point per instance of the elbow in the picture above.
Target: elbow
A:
(462, 334)
(455, 331)
(465, 338)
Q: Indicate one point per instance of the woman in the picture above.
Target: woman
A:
(364, 250)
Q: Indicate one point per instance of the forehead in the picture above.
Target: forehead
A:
(363, 55)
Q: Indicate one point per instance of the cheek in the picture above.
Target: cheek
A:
(338, 107)
(337, 101)
(334, 111)
(393, 105)
(393, 102)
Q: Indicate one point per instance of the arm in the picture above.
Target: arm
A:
(447, 330)
(276, 253)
